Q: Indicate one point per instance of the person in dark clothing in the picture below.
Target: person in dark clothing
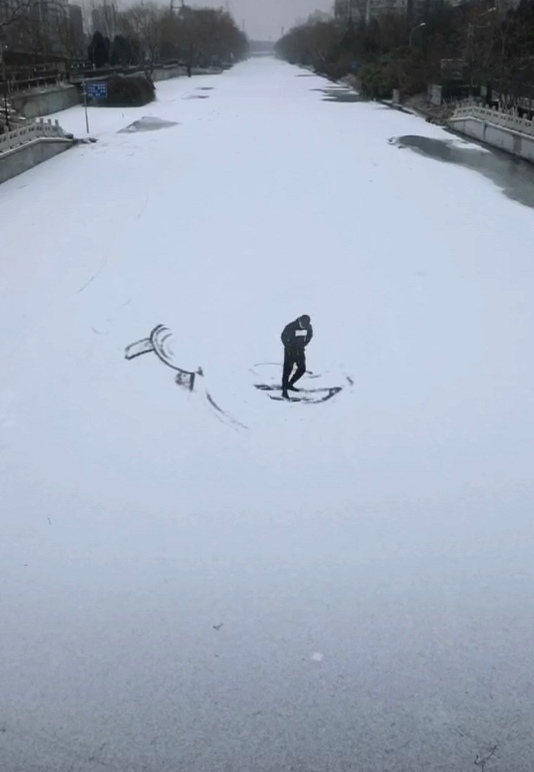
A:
(295, 337)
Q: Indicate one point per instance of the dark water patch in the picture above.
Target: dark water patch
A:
(513, 176)
(344, 98)
(339, 94)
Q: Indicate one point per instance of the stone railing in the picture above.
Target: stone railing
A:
(498, 118)
(29, 132)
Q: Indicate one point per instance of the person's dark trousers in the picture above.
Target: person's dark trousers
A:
(293, 356)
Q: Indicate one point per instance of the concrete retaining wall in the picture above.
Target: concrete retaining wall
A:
(24, 157)
(33, 104)
(164, 73)
(515, 142)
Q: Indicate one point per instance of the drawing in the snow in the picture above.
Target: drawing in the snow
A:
(274, 379)
(341, 586)
(162, 342)
(315, 387)
(165, 345)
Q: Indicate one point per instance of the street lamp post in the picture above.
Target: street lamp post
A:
(472, 26)
(3, 70)
(423, 24)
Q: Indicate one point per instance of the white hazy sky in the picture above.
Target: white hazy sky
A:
(264, 19)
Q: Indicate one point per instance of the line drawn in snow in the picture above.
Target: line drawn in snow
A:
(163, 343)
(88, 282)
(147, 199)
(482, 760)
(222, 414)
(308, 396)
(160, 342)
(268, 378)
(94, 276)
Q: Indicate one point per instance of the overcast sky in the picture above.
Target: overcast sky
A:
(264, 19)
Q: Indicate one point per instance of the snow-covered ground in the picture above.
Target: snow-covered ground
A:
(346, 586)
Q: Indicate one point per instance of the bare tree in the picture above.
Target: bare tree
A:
(13, 11)
(351, 10)
(144, 22)
(66, 35)
(105, 17)
(27, 23)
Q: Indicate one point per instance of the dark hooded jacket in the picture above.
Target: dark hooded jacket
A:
(295, 336)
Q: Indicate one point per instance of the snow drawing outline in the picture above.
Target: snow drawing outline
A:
(158, 343)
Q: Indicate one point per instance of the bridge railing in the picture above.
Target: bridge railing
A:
(30, 132)
(495, 116)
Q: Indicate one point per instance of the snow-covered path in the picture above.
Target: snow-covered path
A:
(344, 587)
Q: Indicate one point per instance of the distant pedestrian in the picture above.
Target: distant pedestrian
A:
(189, 73)
(295, 337)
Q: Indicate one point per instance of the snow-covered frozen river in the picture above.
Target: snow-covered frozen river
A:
(265, 586)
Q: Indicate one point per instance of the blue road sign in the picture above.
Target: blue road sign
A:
(96, 89)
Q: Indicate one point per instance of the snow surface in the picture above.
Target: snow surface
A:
(338, 587)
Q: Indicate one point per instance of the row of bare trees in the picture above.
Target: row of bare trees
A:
(144, 32)
(39, 27)
(195, 36)
(477, 41)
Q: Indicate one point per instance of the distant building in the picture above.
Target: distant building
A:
(351, 9)
(379, 7)
(49, 14)
(76, 23)
(104, 19)
(45, 27)
(367, 9)
(314, 18)
(318, 16)
(41, 33)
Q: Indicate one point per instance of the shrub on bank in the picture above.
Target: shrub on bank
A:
(377, 80)
(399, 69)
(335, 69)
(130, 91)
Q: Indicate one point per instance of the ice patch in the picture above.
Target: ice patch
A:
(514, 177)
(148, 123)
